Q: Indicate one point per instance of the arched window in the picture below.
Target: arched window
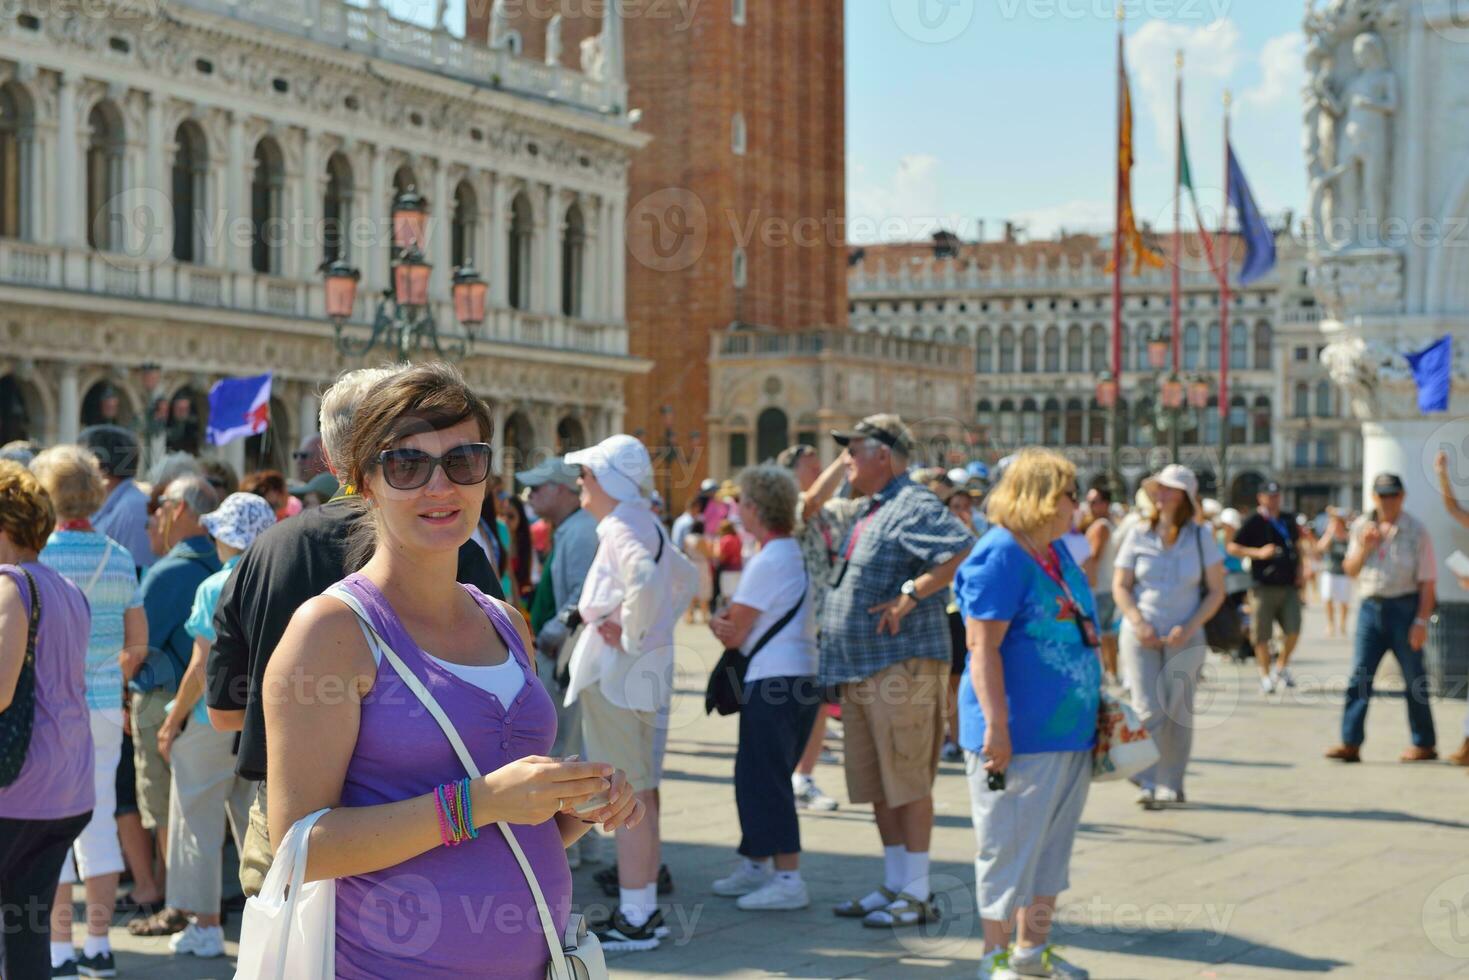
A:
(985, 412)
(1263, 339)
(737, 12)
(17, 121)
(738, 137)
(1191, 347)
(1100, 418)
(1075, 349)
(190, 196)
(984, 351)
(1303, 452)
(1302, 406)
(1127, 361)
(336, 210)
(570, 435)
(519, 252)
(1075, 425)
(915, 332)
(939, 336)
(1239, 347)
(105, 141)
(1028, 351)
(1262, 420)
(772, 434)
(464, 226)
(266, 186)
(740, 269)
(1239, 418)
(1051, 423)
(1008, 424)
(1053, 349)
(1324, 402)
(1140, 348)
(1098, 352)
(573, 256)
(1211, 422)
(961, 334)
(1007, 350)
(1213, 347)
(1030, 423)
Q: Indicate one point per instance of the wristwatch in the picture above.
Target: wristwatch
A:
(909, 589)
(1420, 621)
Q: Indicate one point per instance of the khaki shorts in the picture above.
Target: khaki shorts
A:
(621, 737)
(151, 772)
(255, 856)
(893, 728)
(1271, 604)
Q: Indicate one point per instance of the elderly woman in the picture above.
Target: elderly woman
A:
(1168, 581)
(1028, 709)
(769, 620)
(43, 618)
(117, 646)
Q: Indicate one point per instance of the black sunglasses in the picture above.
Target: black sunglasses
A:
(409, 469)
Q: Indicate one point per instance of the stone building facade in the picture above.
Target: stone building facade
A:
(1034, 321)
(171, 182)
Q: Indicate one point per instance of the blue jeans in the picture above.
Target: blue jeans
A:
(1383, 625)
(775, 722)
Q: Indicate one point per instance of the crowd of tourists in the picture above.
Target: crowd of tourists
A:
(190, 654)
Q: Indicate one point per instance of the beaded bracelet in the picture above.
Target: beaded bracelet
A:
(468, 811)
(445, 832)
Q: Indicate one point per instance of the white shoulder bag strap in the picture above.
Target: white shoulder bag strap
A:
(382, 651)
(101, 567)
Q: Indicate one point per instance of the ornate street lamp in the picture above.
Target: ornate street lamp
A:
(1173, 393)
(1158, 350)
(404, 320)
(1198, 393)
(1106, 390)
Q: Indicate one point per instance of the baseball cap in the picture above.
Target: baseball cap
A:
(239, 520)
(117, 449)
(324, 485)
(709, 485)
(1269, 486)
(1387, 485)
(886, 429)
(621, 465)
(553, 470)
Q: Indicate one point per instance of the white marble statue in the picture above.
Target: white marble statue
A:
(1349, 142)
(591, 56)
(553, 40)
(499, 26)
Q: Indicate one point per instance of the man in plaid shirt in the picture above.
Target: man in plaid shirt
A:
(885, 640)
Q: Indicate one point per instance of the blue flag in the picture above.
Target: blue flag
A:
(1433, 373)
(1259, 239)
(238, 407)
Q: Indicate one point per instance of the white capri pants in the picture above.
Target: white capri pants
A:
(1162, 685)
(96, 851)
(203, 791)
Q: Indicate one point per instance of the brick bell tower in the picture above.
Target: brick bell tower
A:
(736, 208)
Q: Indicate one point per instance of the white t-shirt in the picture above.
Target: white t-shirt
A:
(503, 680)
(773, 579)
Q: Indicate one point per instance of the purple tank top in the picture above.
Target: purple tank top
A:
(453, 911)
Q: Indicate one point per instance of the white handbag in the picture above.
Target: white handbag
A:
(578, 955)
(290, 932)
(1124, 747)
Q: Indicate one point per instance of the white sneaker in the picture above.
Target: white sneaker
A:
(1285, 677)
(809, 796)
(1145, 798)
(197, 940)
(776, 895)
(746, 878)
(996, 966)
(1165, 797)
(1267, 683)
(1047, 963)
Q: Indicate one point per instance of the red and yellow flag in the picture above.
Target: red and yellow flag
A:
(1129, 238)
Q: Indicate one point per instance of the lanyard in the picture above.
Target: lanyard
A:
(857, 531)
(1052, 568)
(1280, 527)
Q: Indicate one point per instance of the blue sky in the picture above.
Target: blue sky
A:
(960, 110)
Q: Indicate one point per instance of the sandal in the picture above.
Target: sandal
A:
(852, 909)
(127, 905)
(164, 923)
(905, 910)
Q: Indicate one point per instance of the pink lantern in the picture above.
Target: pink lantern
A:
(1173, 393)
(1198, 393)
(1107, 391)
(410, 278)
(341, 289)
(410, 219)
(469, 296)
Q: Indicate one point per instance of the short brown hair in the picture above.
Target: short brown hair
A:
(423, 398)
(73, 478)
(26, 512)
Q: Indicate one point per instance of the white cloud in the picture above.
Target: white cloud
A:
(1092, 216)
(1212, 54)
(906, 207)
(1282, 72)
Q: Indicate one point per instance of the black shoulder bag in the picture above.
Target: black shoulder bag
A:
(17, 720)
(725, 692)
(1225, 630)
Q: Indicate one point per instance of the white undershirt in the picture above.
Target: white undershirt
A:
(504, 680)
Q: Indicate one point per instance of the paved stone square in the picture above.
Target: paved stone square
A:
(1283, 864)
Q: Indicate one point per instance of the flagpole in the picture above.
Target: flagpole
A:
(1115, 465)
(1173, 415)
(1226, 250)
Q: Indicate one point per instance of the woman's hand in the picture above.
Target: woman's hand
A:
(1176, 638)
(167, 732)
(611, 633)
(1146, 635)
(623, 808)
(534, 789)
(996, 749)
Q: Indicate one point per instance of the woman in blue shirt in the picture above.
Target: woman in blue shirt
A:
(1028, 709)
